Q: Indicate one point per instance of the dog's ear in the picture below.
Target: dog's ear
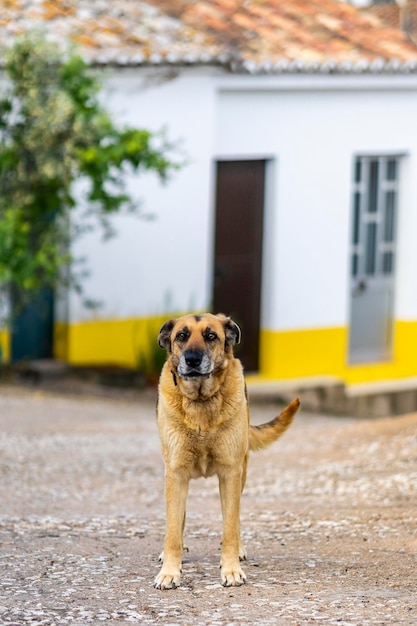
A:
(232, 331)
(164, 337)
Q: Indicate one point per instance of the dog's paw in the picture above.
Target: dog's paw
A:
(167, 580)
(242, 553)
(233, 577)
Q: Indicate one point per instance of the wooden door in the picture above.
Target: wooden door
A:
(240, 191)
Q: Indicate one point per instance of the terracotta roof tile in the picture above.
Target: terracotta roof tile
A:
(253, 35)
(397, 15)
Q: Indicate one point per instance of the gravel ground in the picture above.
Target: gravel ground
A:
(328, 520)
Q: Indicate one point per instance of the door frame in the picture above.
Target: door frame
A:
(268, 250)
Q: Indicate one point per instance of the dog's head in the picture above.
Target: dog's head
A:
(199, 345)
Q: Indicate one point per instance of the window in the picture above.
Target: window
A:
(375, 199)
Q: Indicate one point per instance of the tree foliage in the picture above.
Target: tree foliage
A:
(55, 132)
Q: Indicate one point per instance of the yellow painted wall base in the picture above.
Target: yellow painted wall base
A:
(4, 346)
(402, 365)
(300, 353)
(130, 343)
(323, 352)
(284, 355)
(60, 345)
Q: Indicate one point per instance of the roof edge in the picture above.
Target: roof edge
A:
(282, 66)
(240, 66)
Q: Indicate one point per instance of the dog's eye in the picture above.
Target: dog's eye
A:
(211, 336)
(181, 337)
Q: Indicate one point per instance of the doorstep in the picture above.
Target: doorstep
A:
(329, 394)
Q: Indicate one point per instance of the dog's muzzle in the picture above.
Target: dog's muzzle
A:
(194, 364)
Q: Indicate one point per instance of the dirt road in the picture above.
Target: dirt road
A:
(328, 520)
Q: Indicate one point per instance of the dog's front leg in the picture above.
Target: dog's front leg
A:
(176, 490)
(230, 484)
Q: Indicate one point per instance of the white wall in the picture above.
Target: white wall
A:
(152, 266)
(313, 136)
(310, 128)
(406, 279)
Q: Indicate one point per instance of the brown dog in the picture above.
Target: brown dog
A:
(203, 421)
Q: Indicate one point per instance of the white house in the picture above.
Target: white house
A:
(296, 210)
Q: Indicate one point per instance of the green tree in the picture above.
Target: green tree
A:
(55, 132)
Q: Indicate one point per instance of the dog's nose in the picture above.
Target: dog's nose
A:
(193, 358)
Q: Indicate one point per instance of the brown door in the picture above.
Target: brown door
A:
(238, 250)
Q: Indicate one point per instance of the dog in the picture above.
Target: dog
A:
(203, 422)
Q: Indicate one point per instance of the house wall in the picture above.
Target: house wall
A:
(160, 265)
(310, 129)
(312, 133)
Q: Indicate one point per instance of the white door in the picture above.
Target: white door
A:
(375, 200)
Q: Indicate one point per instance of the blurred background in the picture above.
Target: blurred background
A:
(256, 159)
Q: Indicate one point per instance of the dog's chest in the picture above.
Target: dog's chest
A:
(204, 465)
(204, 458)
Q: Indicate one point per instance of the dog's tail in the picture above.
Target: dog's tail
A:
(265, 434)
